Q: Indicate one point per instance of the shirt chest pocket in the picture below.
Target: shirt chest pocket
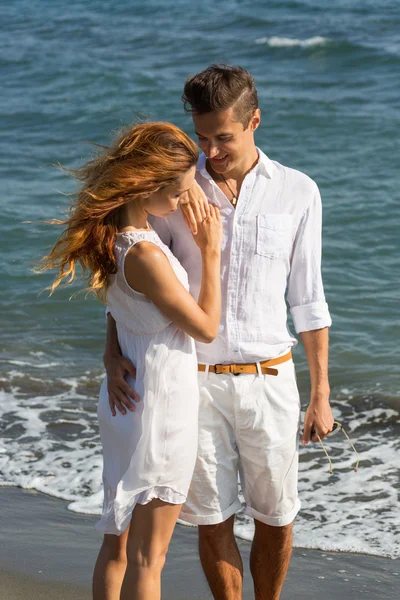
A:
(274, 235)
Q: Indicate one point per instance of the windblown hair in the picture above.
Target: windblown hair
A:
(218, 88)
(142, 160)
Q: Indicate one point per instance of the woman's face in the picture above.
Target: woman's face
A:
(167, 199)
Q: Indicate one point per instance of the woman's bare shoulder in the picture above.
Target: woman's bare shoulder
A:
(146, 258)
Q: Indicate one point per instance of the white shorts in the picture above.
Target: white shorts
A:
(248, 425)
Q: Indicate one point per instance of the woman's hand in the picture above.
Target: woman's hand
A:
(195, 207)
(209, 231)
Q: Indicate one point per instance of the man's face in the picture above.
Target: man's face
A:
(223, 140)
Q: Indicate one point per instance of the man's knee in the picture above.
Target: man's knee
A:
(282, 531)
(224, 528)
(271, 536)
(217, 534)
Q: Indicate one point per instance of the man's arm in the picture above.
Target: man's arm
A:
(117, 367)
(318, 416)
(311, 316)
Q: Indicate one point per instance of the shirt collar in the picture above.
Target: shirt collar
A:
(264, 166)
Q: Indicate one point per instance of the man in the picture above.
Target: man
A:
(248, 423)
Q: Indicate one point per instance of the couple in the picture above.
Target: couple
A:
(179, 421)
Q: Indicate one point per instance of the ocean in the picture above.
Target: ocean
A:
(327, 74)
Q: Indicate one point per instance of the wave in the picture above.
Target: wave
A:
(282, 42)
(25, 363)
(378, 50)
(51, 443)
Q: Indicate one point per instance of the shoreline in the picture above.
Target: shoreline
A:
(239, 538)
(47, 551)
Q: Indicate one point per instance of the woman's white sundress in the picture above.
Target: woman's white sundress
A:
(151, 452)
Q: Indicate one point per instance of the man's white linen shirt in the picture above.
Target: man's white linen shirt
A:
(271, 249)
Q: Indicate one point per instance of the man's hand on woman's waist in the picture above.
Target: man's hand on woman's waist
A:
(120, 393)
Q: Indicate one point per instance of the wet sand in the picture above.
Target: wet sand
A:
(48, 552)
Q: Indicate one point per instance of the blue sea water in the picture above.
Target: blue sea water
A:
(329, 87)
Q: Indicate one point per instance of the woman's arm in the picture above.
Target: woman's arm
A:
(148, 270)
(203, 317)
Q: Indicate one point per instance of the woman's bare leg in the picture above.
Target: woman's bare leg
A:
(149, 535)
(110, 567)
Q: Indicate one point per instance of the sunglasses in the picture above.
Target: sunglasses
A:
(335, 429)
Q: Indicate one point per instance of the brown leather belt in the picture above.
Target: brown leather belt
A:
(237, 369)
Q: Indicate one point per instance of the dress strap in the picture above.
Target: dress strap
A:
(124, 243)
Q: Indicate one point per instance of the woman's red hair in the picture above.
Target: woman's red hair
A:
(144, 159)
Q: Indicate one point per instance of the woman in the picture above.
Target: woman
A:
(149, 453)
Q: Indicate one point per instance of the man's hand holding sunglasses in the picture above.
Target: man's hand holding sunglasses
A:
(316, 429)
(318, 422)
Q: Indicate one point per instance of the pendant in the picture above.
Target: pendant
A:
(234, 200)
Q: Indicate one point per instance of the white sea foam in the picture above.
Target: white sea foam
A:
(52, 444)
(37, 365)
(283, 42)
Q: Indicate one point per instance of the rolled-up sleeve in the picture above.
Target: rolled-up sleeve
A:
(305, 291)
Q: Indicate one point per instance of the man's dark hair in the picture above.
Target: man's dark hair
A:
(218, 88)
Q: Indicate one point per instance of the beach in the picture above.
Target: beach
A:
(48, 553)
(327, 81)
(328, 90)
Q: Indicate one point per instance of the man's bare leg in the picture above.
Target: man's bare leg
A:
(221, 560)
(269, 559)
(110, 568)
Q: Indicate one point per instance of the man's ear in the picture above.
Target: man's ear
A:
(255, 119)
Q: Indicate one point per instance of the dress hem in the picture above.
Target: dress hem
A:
(115, 520)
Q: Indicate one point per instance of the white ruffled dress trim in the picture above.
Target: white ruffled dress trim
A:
(116, 519)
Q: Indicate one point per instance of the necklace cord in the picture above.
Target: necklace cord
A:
(234, 197)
